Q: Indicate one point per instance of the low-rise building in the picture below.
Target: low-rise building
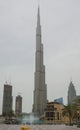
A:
(54, 113)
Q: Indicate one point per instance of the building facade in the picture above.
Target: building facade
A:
(7, 99)
(71, 93)
(40, 90)
(18, 105)
(53, 113)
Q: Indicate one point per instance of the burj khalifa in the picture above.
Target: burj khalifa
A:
(40, 87)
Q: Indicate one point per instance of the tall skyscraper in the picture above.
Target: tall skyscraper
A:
(7, 99)
(40, 90)
(71, 93)
(18, 105)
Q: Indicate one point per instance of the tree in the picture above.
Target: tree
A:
(76, 103)
(11, 114)
(67, 112)
(72, 111)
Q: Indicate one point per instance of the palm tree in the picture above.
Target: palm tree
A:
(72, 110)
(76, 103)
(68, 112)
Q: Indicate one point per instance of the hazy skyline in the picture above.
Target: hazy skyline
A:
(60, 23)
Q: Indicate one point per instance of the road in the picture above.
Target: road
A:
(39, 127)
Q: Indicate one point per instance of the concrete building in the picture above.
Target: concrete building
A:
(71, 93)
(40, 90)
(7, 99)
(54, 113)
(18, 104)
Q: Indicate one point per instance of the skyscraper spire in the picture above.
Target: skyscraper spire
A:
(38, 29)
(38, 17)
(40, 90)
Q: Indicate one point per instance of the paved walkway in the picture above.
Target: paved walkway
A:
(39, 127)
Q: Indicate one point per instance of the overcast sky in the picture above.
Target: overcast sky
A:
(60, 21)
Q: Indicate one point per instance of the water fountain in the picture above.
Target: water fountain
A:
(30, 119)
